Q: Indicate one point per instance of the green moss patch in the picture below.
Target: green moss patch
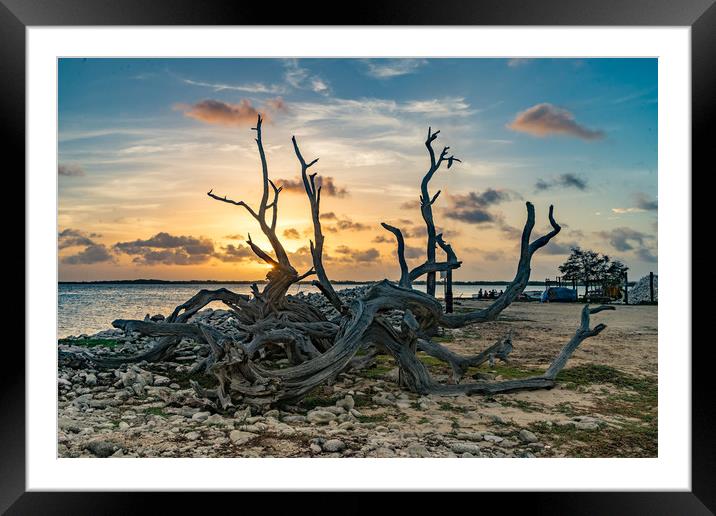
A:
(90, 343)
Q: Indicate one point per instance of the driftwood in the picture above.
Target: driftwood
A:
(319, 349)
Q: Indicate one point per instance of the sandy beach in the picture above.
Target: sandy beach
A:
(605, 404)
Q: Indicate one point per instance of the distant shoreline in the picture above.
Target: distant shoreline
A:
(260, 282)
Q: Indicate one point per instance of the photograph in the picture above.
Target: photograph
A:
(357, 257)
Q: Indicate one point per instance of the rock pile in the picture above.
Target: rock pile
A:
(640, 292)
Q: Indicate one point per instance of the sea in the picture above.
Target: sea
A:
(90, 308)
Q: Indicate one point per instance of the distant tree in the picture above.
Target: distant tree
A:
(589, 266)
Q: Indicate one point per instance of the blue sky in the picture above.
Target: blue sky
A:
(142, 140)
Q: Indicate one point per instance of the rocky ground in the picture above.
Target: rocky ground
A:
(604, 406)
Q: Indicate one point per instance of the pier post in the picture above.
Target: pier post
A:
(651, 286)
(448, 292)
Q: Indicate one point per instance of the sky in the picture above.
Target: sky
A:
(141, 142)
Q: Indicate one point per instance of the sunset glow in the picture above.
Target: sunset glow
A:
(141, 142)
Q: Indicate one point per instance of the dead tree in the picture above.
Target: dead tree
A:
(319, 349)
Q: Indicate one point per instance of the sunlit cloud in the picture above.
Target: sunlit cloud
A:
(326, 183)
(212, 111)
(546, 120)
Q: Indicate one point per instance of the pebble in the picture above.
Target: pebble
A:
(320, 417)
(418, 450)
(466, 448)
(527, 437)
(382, 452)
(102, 448)
(333, 445)
(239, 437)
(346, 403)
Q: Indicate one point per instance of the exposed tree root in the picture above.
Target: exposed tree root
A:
(270, 321)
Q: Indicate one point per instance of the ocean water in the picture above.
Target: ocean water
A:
(85, 308)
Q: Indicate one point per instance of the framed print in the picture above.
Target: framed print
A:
(421, 251)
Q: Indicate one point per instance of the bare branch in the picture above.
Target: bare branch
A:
(426, 203)
(517, 285)
(314, 199)
(404, 273)
(236, 203)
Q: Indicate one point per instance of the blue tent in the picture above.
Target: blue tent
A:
(558, 294)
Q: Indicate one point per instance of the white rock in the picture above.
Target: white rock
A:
(239, 438)
(320, 417)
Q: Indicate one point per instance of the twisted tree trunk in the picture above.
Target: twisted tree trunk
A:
(319, 349)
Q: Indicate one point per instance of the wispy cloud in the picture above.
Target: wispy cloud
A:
(253, 87)
(546, 119)
(565, 181)
(517, 62)
(301, 78)
(388, 68)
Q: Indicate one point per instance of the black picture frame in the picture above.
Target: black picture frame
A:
(17, 15)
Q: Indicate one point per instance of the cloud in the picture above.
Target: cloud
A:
(517, 62)
(555, 248)
(276, 104)
(447, 106)
(328, 216)
(410, 205)
(70, 170)
(94, 253)
(628, 239)
(326, 183)
(212, 111)
(473, 207)
(74, 237)
(565, 180)
(346, 224)
(646, 255)
(388, 68)
(413, 252)
(167, 249)
(642, 203)
(546, 119)
(254, 87)
(645, 203)
(292, 234)
(362, 255)
(236, 253)
(484, 199)
(476, 215)
(302, 79)
(625, 239)
(235, 236)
